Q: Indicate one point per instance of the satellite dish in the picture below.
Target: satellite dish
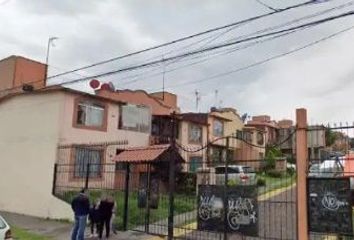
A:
(111, 85)
(94, 83)
(105, 86)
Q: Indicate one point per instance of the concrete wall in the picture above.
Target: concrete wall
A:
(29, 132)
(29, 71)
(7, 71)
(16, 71)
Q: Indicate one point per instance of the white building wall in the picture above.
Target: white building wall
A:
(29, 133)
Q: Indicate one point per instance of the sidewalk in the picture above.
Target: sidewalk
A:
(59, 230)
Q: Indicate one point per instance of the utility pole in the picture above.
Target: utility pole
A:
(172, 179)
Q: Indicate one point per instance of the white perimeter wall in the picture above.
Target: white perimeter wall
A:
(29, 128)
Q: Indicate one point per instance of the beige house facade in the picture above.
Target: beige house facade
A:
(36, 126)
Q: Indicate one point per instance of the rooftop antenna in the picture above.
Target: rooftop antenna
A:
(197, 99)
(216, 97)
(220, 103)
(163, 77)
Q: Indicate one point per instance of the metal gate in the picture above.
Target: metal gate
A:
(189, 202)
(330, 181)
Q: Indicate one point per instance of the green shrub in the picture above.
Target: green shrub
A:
(261, 182)
(275, 173)
(232, 182)
(290, 171)
(186, 183)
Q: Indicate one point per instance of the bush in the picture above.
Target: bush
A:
(261, 182)
(232, 182)
(186, 183)
(275, 173)
(290, 171)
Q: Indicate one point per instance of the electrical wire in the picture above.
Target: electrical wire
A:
(223, 74)
(246, 35)
(187, 37)
(314, 23)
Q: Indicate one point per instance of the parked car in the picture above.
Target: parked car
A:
(237, 174)
(5, 231)
(291, 166)
(328, 168)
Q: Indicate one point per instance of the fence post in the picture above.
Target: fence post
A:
(87, 176)
(226, 187)
(301, 170)
(172, 179)
(55, 178)
(126, 198)
(147, 207)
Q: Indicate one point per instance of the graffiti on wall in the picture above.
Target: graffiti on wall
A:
(329, 201)
(241, 209)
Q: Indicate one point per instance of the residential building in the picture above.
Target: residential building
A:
(316, 139)
(68, 127)
(190, 133)
(16, 71)
(215, 153)
(252, 149)
(266, 125)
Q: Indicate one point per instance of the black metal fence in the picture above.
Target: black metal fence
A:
(197, 199)
(330, 182)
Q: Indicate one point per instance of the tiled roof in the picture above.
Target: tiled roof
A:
(142, 154)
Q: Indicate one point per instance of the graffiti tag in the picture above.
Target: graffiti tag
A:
(331, 202)
(241, 212)
(210, 207)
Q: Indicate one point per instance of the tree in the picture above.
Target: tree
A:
(271, 155)
(330, 137)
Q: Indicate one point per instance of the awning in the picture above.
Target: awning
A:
(152, 153)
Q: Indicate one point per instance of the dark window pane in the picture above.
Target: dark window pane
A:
(85, 156)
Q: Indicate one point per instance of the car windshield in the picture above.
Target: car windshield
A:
(2, 224)
(221, 170)
(248, 170)
(315, 168)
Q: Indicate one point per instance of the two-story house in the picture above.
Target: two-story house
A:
(266, 125)
(190, 133)
(73, 129)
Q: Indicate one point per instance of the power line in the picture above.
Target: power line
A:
(314, 23)
(188, 37)
(223, 52)
(265, 60)
(198, 51)
(267, 6)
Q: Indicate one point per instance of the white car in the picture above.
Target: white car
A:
(5, 231)
(241, 175)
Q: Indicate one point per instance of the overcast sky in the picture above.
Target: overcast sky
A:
(319, 78)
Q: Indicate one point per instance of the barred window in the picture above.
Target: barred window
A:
(85, 156)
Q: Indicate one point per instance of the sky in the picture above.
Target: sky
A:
(318, 78)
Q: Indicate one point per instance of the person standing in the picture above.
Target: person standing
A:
(105, 210)
(81, 207)
(94, 219)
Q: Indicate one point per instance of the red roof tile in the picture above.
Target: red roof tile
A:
(142, 154)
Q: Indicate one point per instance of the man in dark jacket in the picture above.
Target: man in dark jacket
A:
(81, 208)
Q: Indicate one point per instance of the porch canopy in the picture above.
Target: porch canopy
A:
(153, 153)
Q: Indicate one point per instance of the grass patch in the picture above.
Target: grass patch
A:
(273, 183)
(136, 216)
(21, 234)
